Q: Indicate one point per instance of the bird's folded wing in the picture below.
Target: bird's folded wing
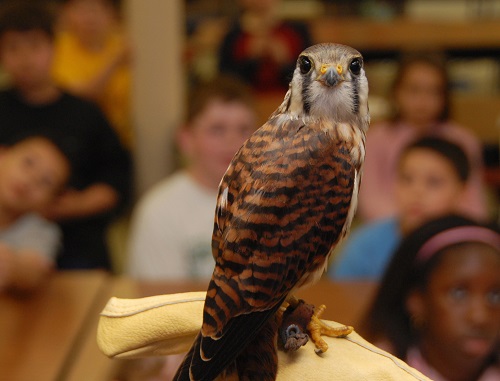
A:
(168, 324)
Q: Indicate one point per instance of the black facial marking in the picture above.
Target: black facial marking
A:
(355, 89)
(306, 82)
(355, 68)
(289, 102)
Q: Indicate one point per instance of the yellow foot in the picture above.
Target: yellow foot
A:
(317, 327)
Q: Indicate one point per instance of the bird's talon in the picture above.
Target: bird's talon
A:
(319, 311)
(318, 351)
(317, 328)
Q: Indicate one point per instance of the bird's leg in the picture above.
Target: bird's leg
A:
(317, 327)
(300, 320)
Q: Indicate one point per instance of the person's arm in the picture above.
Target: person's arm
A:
(95, 199)
(22, 270)
(108, 188)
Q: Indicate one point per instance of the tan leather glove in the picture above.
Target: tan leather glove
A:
(168, 324)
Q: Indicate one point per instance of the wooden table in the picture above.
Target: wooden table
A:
(38, 333)
(345, 301)
(51, 335)
(88, 362)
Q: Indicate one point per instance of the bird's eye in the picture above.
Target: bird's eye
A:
(305, 64)
(355, 66)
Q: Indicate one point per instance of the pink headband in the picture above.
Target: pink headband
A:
(458, 235)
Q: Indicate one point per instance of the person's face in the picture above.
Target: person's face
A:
(420, 94)
(26, 56)
(460, 308)
(31, 173)
(90, 19)
(427, 186)
(215, 135)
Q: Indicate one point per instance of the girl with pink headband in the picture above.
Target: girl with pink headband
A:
(438, 304)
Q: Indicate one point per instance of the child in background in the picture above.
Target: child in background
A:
(421, 99)
(261, 48)
(32, 173)
(438, 305)
(172, 224)
(431, 179)
(100, 166)
(92, 58)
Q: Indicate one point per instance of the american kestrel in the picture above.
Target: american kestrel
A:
(287, 198)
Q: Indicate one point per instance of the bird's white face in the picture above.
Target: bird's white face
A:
(329, 82)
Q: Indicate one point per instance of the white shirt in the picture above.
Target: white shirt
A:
(171, 231)
(35, 233)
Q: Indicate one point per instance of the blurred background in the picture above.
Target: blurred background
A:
(172, 46)
(175, 45)
(176, 42)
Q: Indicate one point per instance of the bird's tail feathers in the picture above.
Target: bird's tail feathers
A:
(259, 359)
(183, 372)
(239, 332)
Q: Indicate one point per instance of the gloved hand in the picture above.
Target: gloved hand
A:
(167, 324)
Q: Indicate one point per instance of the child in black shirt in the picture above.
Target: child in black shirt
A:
(34, 105)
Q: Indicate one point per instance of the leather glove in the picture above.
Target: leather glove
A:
(167, 324)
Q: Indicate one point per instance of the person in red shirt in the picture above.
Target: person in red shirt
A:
(261, 48)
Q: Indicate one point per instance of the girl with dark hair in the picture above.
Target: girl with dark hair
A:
(420, 95)
(438, 305)
(432, 174)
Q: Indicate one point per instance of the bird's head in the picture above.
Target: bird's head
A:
(329, 82)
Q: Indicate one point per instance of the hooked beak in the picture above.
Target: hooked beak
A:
(330, 75)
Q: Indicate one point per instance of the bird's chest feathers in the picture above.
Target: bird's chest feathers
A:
(350, 136)
(326, 137)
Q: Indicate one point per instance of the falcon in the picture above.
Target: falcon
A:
(286, 200)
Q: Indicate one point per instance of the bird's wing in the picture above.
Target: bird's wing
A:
(281, 208)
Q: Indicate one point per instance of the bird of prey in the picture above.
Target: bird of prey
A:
(287, 198)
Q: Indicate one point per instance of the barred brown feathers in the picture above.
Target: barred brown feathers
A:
(286, 200)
